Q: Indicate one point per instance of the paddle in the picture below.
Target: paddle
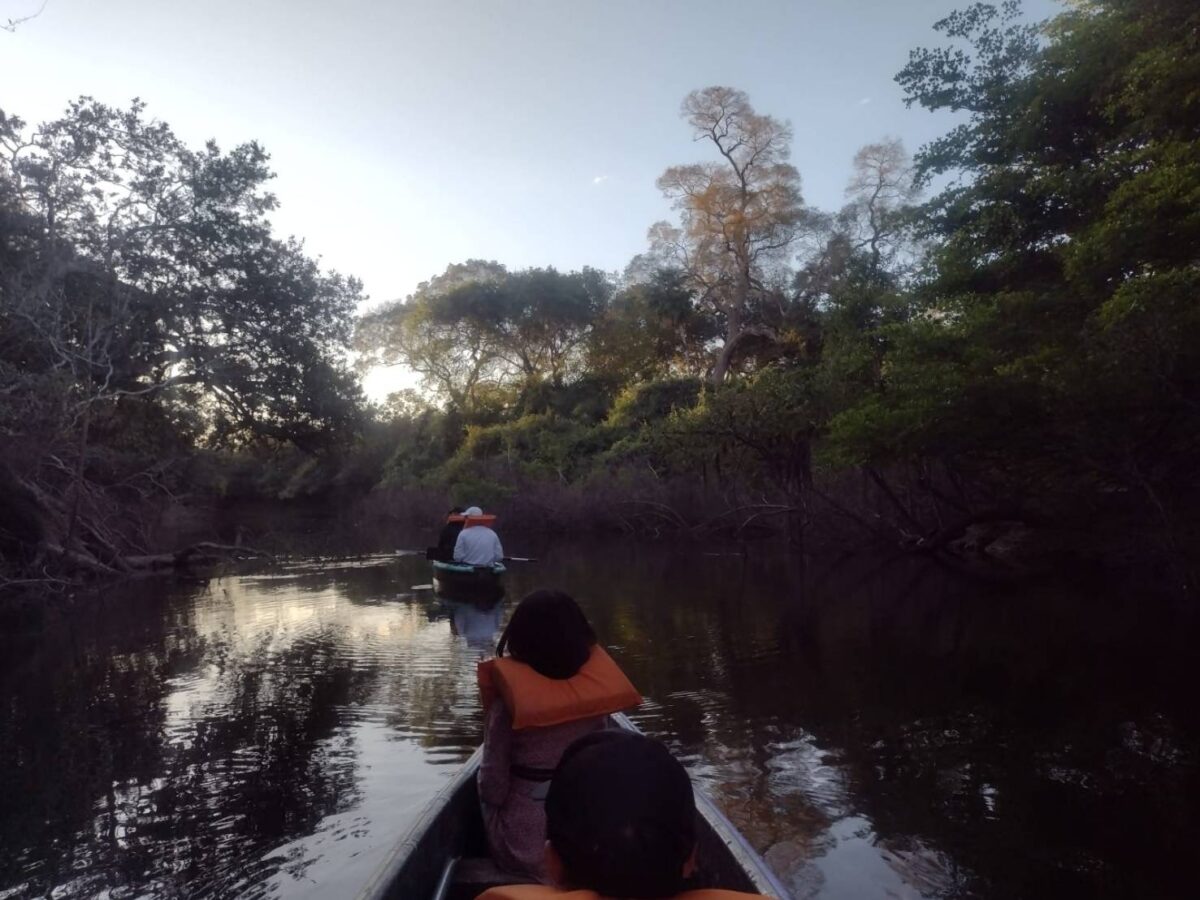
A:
(507, 559)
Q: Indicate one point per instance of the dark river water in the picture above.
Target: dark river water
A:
(876, 728)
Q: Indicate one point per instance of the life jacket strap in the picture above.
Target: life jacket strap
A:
(531, 773)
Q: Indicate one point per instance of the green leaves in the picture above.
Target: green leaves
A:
(154, 274)
(479, 328)
(1056, 354)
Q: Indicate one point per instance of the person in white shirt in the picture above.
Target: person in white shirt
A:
(477, 545)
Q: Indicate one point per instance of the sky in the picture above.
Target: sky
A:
(409, 135)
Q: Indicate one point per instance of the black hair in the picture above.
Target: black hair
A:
(621, 816)
(455, 511)
(549, 632)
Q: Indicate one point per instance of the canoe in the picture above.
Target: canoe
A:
(468, 582)
(444, 854)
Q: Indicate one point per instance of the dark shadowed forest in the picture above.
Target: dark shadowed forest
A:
(991, 351)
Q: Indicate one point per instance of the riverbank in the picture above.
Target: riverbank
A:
(196, 538)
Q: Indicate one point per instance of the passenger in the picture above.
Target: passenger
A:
(555, 686)
(477, 544)
(620, 822)
(449, 535)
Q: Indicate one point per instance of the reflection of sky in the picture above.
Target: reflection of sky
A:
(395, 781)
(857, 865)
(248, 625)
(245, 627)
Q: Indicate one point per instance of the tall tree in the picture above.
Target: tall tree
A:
(1057, 357)
(543, 319)
(452, 351)
(880, 191)
(479, 327)
(738, 216)
(652, 329)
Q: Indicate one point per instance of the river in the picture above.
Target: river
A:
(877, 727)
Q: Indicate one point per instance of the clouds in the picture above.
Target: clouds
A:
(864, 101)
(599, 179)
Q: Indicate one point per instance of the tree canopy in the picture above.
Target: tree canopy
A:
(1059, 327)
(739, 217)
(146, 312)
(1003, 326)
(147, 269)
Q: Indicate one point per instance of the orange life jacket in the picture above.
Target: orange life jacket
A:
(486, 519)
(456, 517)
(533, 700)
(542, 892)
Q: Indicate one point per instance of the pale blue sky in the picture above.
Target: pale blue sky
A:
(407, 135)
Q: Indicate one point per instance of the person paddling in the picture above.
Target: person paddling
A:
(448, 536)
(554, 685)
(477, 544)
(620, 823)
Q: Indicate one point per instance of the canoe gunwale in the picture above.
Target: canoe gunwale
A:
(437, 836)
(411, 848)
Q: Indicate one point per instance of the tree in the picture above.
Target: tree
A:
(542, 320)
(453, 353)
(154, 273)
(1056, 357)
(880, 191)
(144, 299)
(651, 329)
(738, 217)
(479, 327)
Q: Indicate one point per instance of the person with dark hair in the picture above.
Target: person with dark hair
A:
(549, 684)
(449, 535)
(620, 822)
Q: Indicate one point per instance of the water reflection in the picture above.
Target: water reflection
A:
(476, 623)
(192, 739)
(877, 728)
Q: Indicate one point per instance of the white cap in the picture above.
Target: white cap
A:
(473, 511)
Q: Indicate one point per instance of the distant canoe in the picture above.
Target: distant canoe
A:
(461, 581)
(444, 854)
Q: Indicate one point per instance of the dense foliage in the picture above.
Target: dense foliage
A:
(1053, 351)
(1022, 346)
(146, 311)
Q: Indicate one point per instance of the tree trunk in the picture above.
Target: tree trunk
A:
(77, 484)
(733, 334)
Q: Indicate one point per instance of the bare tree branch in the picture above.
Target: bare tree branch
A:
(12, 24)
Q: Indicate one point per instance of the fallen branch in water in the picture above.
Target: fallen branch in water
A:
(202, 553)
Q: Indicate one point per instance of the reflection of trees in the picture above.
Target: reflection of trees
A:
(995, 725)
(125, 788)
(367, 580)
(82, 716)
(436, 696)
(157, 742)
(978, 724)
(267, 764)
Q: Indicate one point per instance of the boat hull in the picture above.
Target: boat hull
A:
(458, 581)
(443, 855)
